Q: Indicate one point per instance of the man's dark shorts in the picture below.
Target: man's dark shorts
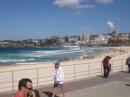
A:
(58, 85)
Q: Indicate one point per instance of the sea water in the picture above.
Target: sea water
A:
(23, 55)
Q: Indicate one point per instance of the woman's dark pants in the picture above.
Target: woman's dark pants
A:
(106, 71)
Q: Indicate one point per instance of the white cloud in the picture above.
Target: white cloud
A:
(63, 3)
(86, 6)
(110, 24)
(105, 1)
(72, 3)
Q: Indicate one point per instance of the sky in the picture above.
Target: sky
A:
(39, 19)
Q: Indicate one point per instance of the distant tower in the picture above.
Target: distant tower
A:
(84, 37)
(114, 32)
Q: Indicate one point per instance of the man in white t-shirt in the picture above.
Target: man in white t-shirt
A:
(58, 78)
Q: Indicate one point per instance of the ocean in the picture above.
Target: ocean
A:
(9, 56)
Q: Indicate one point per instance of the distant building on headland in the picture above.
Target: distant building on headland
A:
(84, 37)
(119, 36)
(73, 39)
(114, 38)
(99, 39)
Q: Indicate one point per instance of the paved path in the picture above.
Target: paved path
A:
(117, 85)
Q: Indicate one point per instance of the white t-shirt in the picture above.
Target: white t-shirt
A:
(59, 76)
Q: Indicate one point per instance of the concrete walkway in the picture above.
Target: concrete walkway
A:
(117, 85)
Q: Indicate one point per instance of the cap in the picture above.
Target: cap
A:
(57, 63)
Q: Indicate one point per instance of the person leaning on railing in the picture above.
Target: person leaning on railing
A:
(106, 66)
(128, 63)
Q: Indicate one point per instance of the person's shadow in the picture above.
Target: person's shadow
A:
(127, 84)
(101, 76)
(124, 71)
(49, 94)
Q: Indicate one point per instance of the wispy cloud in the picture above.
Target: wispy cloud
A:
(86, 6)
(105, 1)
(73, 4)
(67, 3)
(110, 24)
(77, 12)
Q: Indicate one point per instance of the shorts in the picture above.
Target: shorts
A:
(58, 85)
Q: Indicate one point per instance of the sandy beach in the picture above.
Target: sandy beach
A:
(42, 73)
(115, 53)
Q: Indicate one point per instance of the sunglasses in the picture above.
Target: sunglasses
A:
(28, 88)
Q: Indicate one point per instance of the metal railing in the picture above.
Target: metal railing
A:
(43, 76)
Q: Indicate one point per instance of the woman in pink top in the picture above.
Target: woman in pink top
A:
(24, 86)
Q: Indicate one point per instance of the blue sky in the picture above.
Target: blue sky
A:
(37, 19)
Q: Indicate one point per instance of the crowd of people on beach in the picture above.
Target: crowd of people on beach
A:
(66, 59)
(25, 88)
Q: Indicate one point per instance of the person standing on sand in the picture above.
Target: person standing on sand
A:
(106, 66)
(24, 86)
(58, 79)
(128, 63)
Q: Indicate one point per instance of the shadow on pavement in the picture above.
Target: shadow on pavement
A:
(101, 76)
(124, 71)
(49, 94)
(127, 84)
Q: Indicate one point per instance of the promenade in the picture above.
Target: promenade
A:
(117, 85)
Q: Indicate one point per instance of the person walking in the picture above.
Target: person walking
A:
(58, 79)
(106, 66)
(128, 63)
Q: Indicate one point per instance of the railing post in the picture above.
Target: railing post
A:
(101, 69)
(121, 64)
(88, 70)
(12, 80)
(74, 73)
(37, 77)
(112, 66)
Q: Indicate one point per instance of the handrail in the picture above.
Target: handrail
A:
(75, 73)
